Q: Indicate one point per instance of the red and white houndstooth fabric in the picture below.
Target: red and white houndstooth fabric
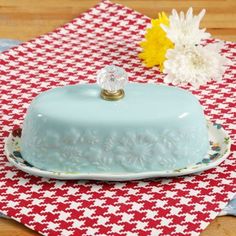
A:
(108, 33)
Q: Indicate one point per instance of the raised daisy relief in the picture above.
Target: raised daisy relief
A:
(174, 44)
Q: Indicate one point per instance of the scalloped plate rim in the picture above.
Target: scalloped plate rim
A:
(120, 176)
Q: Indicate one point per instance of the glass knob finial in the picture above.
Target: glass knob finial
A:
(112, 80)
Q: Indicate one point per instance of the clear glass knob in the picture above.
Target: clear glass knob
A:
(112, 80)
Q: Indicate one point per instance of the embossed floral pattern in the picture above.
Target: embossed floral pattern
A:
(97, 159)
(134, 150)
(76, 149)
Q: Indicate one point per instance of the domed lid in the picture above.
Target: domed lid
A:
(143, 103)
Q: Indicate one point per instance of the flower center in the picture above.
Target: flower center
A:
(197, 60)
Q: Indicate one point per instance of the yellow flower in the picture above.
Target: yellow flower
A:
(156, 43)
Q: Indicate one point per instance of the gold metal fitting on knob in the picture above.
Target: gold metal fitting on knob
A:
(112, 96)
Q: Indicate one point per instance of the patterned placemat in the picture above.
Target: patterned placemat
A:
(73, 54)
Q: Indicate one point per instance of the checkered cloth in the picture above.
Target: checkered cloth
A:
(108, 33)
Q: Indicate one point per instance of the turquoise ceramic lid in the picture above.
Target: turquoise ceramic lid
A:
(142, 103)
(153, 127)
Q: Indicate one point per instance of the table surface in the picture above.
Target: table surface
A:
(26, 19)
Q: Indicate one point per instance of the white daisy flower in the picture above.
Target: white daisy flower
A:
(194, 65)
(184, 30)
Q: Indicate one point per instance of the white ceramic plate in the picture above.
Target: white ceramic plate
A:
(219, 150)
